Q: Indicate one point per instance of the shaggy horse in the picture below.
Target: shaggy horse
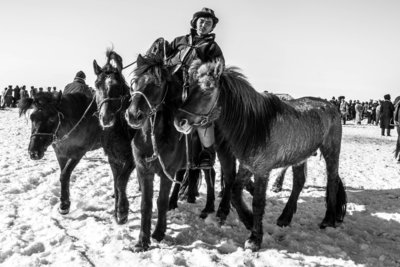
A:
(160, 149)
(67, 123)
(396, 120)
(265, 133)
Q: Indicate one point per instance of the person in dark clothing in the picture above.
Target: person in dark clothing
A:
(78, 85)
(198, 44)
(386, 114)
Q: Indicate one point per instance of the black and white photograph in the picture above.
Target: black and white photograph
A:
(200, 133)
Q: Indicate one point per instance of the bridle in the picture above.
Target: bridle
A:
(210, 116)
(55, 139)
(110, 99)
(53, 135)
(152, 116)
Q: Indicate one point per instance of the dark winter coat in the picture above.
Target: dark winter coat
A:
(386, 113)
(185, 49)
(78, 86)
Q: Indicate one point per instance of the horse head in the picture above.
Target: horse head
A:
(201, 106)
(149, 90)
(111, 88)
(46, 119)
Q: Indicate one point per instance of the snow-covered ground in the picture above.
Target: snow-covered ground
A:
(33, 233)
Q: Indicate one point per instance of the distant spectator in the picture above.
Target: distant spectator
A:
(40, 89)
(78, 85)
(49, 89)
(55, 91)
(344, 110)
(386, 113)
(32, 92)
(359, 109)
(24, 93)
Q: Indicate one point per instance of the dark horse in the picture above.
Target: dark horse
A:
(67, 123)
(160, 149)
(265, 133)
(396, 120)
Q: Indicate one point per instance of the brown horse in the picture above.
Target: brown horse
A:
(265, 133)
(67, 123)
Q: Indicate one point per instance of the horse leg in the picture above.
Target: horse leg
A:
(244, 212)
(193, 192)
(299, 178)
(336, 199)
(397, 151)
(146, 179)
(121, 173)
(173, 200)
(255, 239)
(162, 206)
(228, 164)
(67, 166)
(221, 192)
(209, 176)
(277, 186)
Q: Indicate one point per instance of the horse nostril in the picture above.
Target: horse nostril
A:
(183, 122)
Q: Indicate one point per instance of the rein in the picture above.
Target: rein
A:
(57, 140)
(152, 116)
(205, 118)
(109, 99)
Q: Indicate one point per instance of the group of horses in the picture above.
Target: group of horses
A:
(140, 126)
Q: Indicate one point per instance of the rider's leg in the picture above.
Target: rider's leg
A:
(207, 139)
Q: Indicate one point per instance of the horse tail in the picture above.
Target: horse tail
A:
(341, 202)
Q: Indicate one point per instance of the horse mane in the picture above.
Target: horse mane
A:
(152, 63)
(249, 114)
(41, 99)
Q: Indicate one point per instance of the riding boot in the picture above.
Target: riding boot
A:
(388, 131)
(383, 131)
(207, 155)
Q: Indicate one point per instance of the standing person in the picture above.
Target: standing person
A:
(78, 85)
(24, 93)
(344, 110)
(359, 109)
(198, 44)
(386, 113)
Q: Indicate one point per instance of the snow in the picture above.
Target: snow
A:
(33, 233)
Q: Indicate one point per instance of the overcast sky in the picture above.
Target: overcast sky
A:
(304, 48)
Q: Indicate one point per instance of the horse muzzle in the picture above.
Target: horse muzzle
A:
(183, 126)
(135, 120)
(106, 121)
(36, 155)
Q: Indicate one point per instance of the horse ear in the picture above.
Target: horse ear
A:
(140, 60)
(219, 68)
(96, 67)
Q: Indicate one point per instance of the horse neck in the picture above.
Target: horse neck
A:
(72, 108)
(246, 116)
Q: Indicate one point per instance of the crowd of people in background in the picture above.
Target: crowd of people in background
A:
(376, 112)
(12, 95)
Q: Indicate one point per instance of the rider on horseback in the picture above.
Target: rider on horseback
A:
(199, 44)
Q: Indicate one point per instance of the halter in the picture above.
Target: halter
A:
(205, 118)
(109, 99)
(66, 136)
(53, 135)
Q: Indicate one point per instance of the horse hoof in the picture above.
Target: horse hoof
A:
(282, 223)
(140, 247)
(325, 224)
(63, 211)
(250, 244)
(121, 219)
(158, 236)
